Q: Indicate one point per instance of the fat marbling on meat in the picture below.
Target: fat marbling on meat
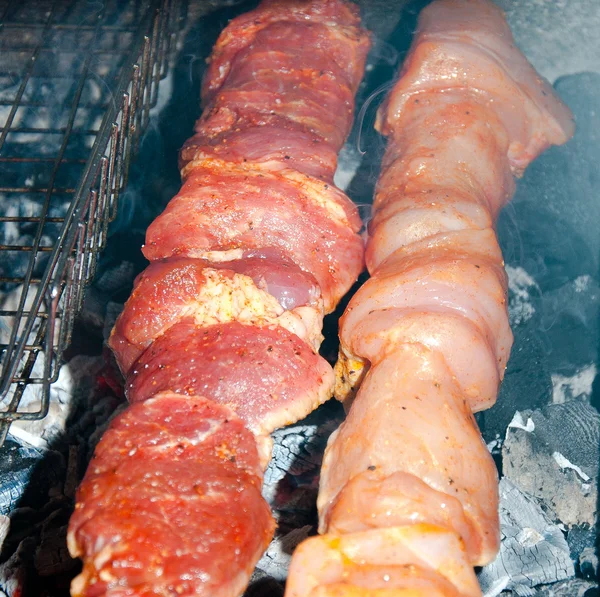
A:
(218, 341)
(408, 499)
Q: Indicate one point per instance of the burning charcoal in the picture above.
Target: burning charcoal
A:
(533, 551)
(276, 560)
(27, 470)
(552, 454)
(297, 453)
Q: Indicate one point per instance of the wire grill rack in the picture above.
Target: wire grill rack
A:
(77, 82)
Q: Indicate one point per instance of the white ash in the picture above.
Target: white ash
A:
(533, 550)
(557, 461)
(521, 286)
(518, 423)
(574, 587)
(75, 381)
(495, 446)
(571, 387)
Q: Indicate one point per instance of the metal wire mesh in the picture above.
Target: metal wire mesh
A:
(77, 81)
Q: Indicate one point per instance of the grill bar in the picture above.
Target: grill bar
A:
(61, 249)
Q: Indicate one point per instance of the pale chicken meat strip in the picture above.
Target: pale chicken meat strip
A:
(218, 343)
(408, 498)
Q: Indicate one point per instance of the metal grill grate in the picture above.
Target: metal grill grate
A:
(77, 81)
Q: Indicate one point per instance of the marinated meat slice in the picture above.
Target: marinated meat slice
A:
(409, 561)
(337, 35)
(410, 416)
(182, 473)
(260, 373)
(468, 46)
(274, 142)
(218, 210)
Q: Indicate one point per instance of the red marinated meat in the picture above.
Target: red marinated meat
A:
(218, 341)
(260, 373)
(182, 473)
(171, 290)
(219, 211)
(332, 18)
(268, 140)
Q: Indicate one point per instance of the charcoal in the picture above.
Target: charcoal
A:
(51, 555)
(527, 383)
(116, 280)
(298, 451)
(533, 550)
(28, 472)
(13, 571)
(574, 587)
(113, 310)
(580, 538)
(556, 460)
(263, 585)
(276, 560)
(588, 563)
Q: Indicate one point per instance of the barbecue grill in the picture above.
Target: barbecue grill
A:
(80, 86)
(78, 81)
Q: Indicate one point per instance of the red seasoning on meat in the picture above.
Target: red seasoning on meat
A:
(218, 341)
(408, 500)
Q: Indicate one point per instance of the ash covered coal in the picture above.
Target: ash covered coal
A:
(554, 457)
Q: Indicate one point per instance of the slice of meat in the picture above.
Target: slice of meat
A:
(177, 471)
(260, 373)
(408, 561)
(336, 32)
(171, 290)
(272, 141)
(469, 46)
(218, 210)
(410, 416)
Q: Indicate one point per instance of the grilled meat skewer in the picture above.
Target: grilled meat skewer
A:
(218, 341)
(408, 499)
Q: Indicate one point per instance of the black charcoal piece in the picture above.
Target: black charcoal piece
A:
(27, 473)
